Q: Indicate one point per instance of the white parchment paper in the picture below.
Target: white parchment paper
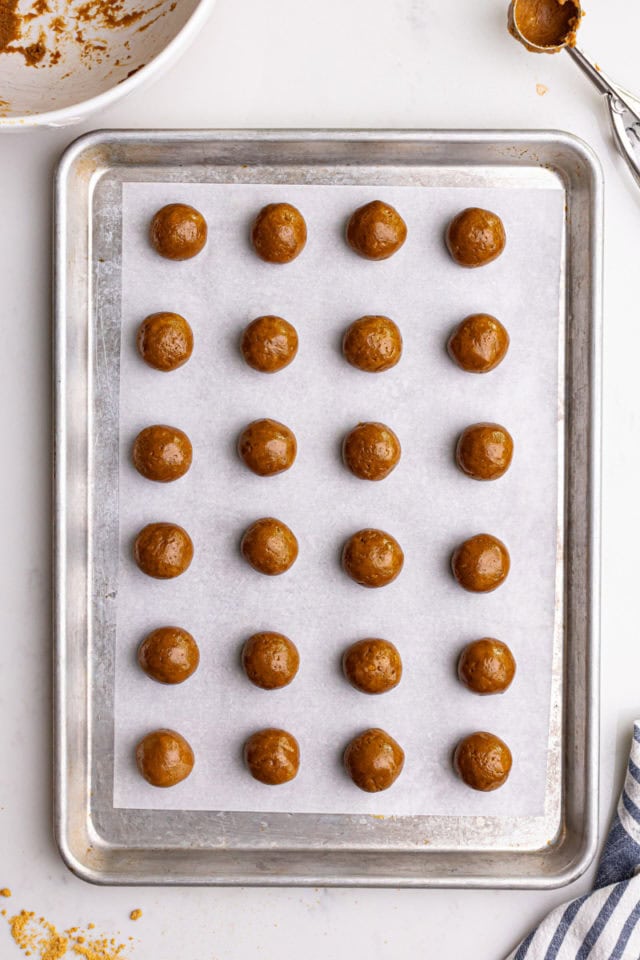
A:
(427, 504)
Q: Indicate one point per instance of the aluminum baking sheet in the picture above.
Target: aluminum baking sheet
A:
(331, 835)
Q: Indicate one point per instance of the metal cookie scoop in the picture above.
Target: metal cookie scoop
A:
(548, 26)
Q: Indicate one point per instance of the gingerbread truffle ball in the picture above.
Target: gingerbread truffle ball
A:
(162, 453)
(165, 341)
(372, 665)
(163, 550)
(164, 758)
(270, 660)
(178, 232)
(272, 756)
(169, 655)
(481, 563)
(372, 558)
(376, 231)
(279, 233)
(371, 451)
(482, 761)
(267, 447)
(475, 237)
(269, 343)
(479, 343)
(484, 451)
(374, 760)
(269, 546)
(372, 344)
(486, 666)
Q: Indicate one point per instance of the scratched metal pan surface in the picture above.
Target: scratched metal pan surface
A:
(120, 846)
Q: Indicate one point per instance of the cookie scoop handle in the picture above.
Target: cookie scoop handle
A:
(624, 110)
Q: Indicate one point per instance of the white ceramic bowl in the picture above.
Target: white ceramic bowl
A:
(95, 51)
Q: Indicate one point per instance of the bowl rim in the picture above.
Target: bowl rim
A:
(75, 113)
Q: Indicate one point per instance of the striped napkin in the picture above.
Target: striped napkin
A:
(602, 925)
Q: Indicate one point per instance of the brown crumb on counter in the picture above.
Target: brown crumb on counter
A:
(541, 89)
(38, 938)
(35, 937)
(5, 892)
(135, 914)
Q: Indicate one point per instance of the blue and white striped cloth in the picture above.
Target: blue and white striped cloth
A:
(604, 924)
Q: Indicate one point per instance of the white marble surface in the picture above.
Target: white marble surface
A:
(344, 63)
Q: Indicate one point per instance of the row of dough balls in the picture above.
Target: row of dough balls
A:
(370, 450)
(170, 655)
(372, 343)
(375, 231)
(371, 557)
(373, 760)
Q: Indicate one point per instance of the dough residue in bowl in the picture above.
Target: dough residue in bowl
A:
(42, 31)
